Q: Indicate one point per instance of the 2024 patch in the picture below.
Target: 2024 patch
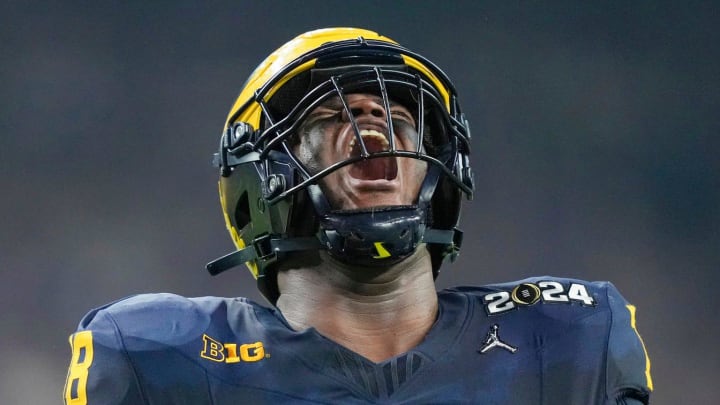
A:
(525, 294)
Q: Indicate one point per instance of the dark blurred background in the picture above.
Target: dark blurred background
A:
(595, 148)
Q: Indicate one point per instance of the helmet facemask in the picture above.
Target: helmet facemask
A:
(379, 234)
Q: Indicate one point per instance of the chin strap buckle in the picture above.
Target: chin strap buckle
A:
(452, 238)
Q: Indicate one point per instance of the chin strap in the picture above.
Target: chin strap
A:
(259, 248)
(262, 248)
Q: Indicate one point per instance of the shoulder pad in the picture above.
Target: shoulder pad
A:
(163, 317)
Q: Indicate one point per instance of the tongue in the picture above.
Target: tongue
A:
(371, 169)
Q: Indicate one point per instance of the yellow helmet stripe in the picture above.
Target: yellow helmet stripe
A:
(415, 64)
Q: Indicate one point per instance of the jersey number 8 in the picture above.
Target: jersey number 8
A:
(82, 357)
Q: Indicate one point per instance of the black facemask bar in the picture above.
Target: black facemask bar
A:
(370, 52)
(381, 81)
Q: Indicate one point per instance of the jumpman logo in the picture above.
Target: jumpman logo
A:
(492, 340)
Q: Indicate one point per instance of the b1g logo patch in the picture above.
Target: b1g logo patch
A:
(526, 294)
(231, 352)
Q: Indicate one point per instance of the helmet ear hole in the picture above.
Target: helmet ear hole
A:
(242, 211)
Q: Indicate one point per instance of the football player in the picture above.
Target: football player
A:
(342, 165)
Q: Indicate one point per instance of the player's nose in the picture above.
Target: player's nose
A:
(367, 106)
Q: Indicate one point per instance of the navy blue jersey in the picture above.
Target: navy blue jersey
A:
(542, 340)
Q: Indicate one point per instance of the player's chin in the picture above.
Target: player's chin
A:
(359, 194)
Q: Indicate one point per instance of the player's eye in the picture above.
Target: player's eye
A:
(322, 113)
(402, 114)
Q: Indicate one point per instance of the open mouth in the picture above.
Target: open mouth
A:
(384, 168)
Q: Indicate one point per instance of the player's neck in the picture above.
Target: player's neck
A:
(377, 317)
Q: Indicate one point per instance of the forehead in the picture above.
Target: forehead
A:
(363, 96)
(353, 98)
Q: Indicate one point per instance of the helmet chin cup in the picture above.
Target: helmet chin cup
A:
(378, 236)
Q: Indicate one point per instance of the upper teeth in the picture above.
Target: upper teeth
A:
(370, 133)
